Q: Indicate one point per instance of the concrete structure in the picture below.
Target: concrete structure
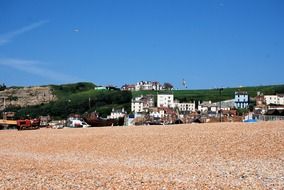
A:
(165, 100)
(241, 99)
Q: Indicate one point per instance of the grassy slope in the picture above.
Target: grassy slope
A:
(74, 98)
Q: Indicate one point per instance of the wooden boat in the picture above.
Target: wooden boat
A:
(95, 121)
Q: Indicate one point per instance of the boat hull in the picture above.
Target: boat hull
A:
(94, 121)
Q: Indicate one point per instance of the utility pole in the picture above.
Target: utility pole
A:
(220, 104)
(4, 106)
(89, 103)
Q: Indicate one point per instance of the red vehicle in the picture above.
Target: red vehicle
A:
(28, 124)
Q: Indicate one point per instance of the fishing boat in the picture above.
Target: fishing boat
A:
(95, 121)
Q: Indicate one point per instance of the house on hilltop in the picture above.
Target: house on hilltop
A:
(128, 87)
(147, 85)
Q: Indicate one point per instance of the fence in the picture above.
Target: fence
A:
(269, 117)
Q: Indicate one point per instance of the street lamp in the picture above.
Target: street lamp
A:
(220, 93)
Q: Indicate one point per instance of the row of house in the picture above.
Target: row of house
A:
(266, 100)
(268, 103)
(147, 85)
(277, 99)
(144, 103)
(163, 107)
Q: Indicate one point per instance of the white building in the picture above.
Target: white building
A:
(148, 85)
(137, 106)
(281, 99)
(157, 113)
(207, 106)
(115, 114)
(274, 99)
(142, 103)
(241, 99)
(128, 87)
(185, 106)
(165, 100)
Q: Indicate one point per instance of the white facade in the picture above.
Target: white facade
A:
(148, 85)
(165, 100)
(186, 106)
(281, 100)
(142, 103)
(270, 99)
(205, 106)
(158, 114)
(241, 99)
(137, 106)
(274, 99)
(115, 114)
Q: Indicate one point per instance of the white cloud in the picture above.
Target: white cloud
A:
(5, 38)
(35, 68)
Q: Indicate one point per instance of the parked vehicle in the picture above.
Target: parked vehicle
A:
(76, 123)
(24, 124)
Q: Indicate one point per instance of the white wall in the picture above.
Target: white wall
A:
(241, 100)
(274, 99)
(137, 106)
(165, 100)
(271, 99)
(185, 106)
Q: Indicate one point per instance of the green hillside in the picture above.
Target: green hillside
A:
(78, 98)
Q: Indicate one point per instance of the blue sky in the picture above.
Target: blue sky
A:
(209, 43)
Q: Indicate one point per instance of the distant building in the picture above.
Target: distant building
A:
(167, 114)
(100, 88)
(115, 114)
(274, 99)
(165, 100)
(128, 87)
(109, 87)
(280, 99)
(142, 103)
(259, 99)
(225, 105)
(207, 106)
(241, 99)
(185, 107)
(147, 85)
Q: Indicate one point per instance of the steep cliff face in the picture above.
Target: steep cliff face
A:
(28, 96)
